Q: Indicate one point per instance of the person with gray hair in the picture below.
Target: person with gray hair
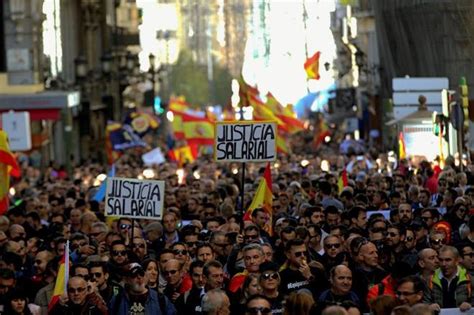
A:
(215, 302)
(450, 286)
(253, 257)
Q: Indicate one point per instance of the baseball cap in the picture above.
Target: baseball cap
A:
(134, 269)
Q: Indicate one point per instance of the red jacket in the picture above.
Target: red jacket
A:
(386, 287)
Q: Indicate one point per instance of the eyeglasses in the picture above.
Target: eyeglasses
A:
(437, 241)
(300, 254)
(180, 252)
(250, 237)
(273, 275)
(169, 272)
(258, 310)
(96, 274)
(141, 245)
(409, 238)
(332, 246)
(399, 293)
(122, 253)
(85, 277)
(125, 226)
(469, 255)
(76, 290)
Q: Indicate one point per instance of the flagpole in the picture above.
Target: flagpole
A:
(242, 185)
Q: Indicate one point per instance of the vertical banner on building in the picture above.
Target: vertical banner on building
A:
(133, 198)
(245, 141)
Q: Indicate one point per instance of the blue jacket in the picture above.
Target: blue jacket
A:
(120, 304)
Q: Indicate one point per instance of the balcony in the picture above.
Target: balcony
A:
(123, 38)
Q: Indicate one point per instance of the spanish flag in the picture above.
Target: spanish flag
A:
(8, 167)
(285, 114)
(311, 66)
(178, 104)
(197, 130)
(263, 199)
(246, 91)
(184, 154)
(281, 143)
(262, 113)
(342, 181)
(60, 287)
(402, 153)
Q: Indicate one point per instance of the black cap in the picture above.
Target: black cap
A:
(134, 269)
(268, 266)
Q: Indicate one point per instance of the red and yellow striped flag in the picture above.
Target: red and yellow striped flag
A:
(8, 167)
(343, 180)
(184, 154)
(62, 279)
(197, 130)
(311, 66)
(263, 199)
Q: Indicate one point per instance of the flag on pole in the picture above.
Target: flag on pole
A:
(198, 130)
(100, 194)
(311, 66)
(8, 167)
(402, 153)
(263, 199)
(342, 181)
(62, 278)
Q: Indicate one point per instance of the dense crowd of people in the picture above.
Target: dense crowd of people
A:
(389, 241)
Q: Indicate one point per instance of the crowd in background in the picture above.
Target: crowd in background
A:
(394, 239)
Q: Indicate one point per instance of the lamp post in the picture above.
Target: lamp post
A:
(151, 59)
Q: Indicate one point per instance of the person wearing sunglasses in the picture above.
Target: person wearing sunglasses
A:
(467, 256)
(178, 281)
(76, 300)
(437, 240)
(118, 259)
(139, 248)
(136, 297)
(270, 283)
(340, 278)
(298, 273)
(258, 305)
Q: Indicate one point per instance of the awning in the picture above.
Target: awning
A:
(41, 114)
(42, 100)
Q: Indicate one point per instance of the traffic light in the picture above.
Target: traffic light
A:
(464, 100)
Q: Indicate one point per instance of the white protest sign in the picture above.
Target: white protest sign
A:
(133, 198)
(155, 156)
(17, 127)
(245, 141)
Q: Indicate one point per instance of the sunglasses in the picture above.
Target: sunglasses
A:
(85, 277)
(437, 241)
(273, 275)
(469, 255)
(125, 226)
(169, 272)
(141, 245)
(300, 254)
(409, 239)
(76, 290)
(139, 273)
(258, 310)
(95, 274)
(333, 246)
(122, 253)
(180, 252)
(251, 237)
(191, 244)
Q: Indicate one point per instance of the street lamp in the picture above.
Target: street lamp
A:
(106, 63)
(80, 64)
(151, 59)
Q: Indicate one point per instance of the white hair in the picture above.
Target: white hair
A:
(212, 301)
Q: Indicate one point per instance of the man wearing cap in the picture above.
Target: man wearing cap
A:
(136, 298)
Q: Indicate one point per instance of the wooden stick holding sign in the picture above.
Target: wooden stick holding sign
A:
(245, 141)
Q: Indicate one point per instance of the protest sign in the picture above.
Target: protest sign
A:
(245, 141)
(133, 198)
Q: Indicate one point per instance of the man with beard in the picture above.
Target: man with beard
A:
(136, 298)
(221, 246)
(395, 241)
(341, 284)
(118, 259)
(405, 213)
